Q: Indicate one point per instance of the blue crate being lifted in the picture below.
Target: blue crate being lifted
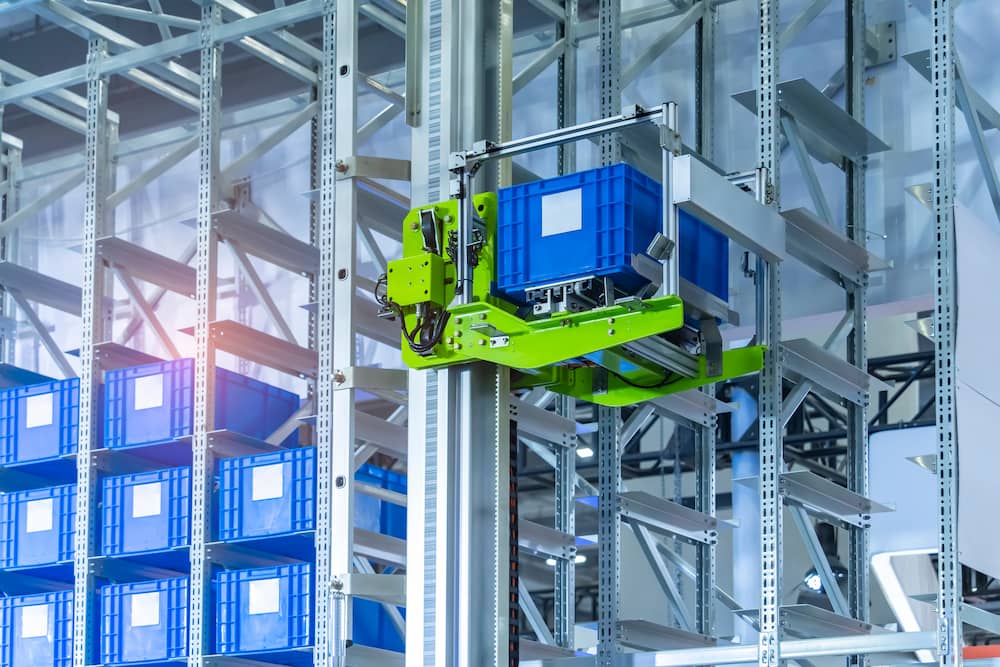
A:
(153, 404)
(39, 422)
(144, 622)
(590, 224)
(146, 513)
(265, 610)
(37, 630)
(36, 527)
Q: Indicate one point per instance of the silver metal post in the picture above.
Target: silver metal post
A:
(565, 521)
(769, 333)
(859, 578)
(204, 363)
(326, 295)
(93, 329)
(945, 297)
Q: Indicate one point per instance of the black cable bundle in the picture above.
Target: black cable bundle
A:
(433, 326)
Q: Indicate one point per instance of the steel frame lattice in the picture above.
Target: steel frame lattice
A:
(457, 558)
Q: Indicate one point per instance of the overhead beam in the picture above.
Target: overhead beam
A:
(171, 48)
(157, 16)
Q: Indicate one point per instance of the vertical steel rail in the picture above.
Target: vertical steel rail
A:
(705, 502)
(609, 419)
(769, 333)
(609, 535)
(92, 331)
(943, 57)
(704, 82)
(206, 266)
(566, 82)
(564, 612)
(341, 63)
(609, 33)
(859, 579)
(325, 240)
(705, 479)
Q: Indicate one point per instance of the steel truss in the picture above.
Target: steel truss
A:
(460, 593)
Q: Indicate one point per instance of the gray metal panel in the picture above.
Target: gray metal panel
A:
(41, 288)
(805, 620)
(823, 118)
(821, 247)
(712, 199)
(649, 636)
(147, 265)
(267, 243)
(804, 360)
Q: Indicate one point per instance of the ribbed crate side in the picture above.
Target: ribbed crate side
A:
(159, 418)
(45, 640)
(239, 631)
(621, 211)
(25, 546)
(39, 431)
(235, 393)
(241, 516)
(165, 640)
(129, 528)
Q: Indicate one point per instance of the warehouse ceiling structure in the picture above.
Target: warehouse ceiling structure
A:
(666, 462)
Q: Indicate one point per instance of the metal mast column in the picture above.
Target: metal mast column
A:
(94, 326)
(458, 546)
(945, 297)
(608, 419)
(204, 361)
(859, 584)
(769, 333)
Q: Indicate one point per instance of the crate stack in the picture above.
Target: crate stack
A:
(264, 518)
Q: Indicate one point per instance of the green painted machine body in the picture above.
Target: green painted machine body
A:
(579, 354)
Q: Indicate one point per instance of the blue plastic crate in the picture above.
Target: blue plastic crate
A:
(267, 609)
(146, 513)
(39, 422)
(590, 224)
(267, 494)
(37, 527)
(144, 622)
(154, 404)
(372, 626)
(37, 630)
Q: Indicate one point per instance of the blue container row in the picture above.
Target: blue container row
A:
(605, 215)
(264, 611)
(260, 496)
(142, 406)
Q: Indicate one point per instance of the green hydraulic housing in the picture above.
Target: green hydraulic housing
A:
(580, 354)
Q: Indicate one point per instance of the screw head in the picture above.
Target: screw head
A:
(339, 377)
(611, 332)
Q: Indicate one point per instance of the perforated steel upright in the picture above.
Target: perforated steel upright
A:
(768, 277)
(943, 58)
(206, 262)
(94, 325)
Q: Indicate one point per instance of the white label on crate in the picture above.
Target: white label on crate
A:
(38, 515)
(562, 212)
(267, 482)
(265, 597)
(148, 392)
(146, 500)
(38, 410)
(145, 609)
(35, 621)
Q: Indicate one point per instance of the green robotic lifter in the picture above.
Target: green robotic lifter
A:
(616, 351)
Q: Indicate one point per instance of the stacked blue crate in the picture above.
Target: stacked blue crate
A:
(605, 215)
(37, 630)
(36, 528)
(39, 426)
(265, 610)
(153, 404)
(144, 623)
(147, 514)
(274, 494)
